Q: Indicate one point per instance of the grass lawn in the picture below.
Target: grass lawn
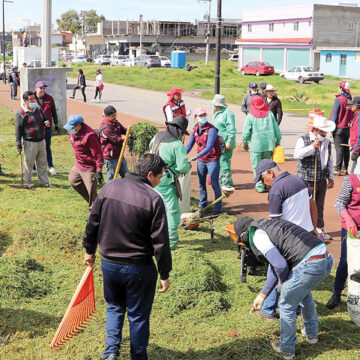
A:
(234, 85)
(41, 263)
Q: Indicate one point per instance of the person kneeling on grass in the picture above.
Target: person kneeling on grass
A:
(299, 262)
(111, 143)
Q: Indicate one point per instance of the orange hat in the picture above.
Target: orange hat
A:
(174, 91)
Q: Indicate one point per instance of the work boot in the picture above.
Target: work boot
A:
(334, 301)
(264, 316)
(276, 346)
(309, 340)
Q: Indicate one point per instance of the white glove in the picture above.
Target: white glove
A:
(258, 303)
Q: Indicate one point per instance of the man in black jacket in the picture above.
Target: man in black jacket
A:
(81, 84)
(128, 221)
(299, 262)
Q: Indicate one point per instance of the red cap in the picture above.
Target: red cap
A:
(174, 91)
(346, 86)
(258, 107)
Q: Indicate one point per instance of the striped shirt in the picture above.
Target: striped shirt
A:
(344, 196)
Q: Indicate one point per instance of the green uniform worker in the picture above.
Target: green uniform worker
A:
(262, 130)
(224, 121)
(172, 150)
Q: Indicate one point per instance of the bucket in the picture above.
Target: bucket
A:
(279, 155)
(312, 114)
(353, 297)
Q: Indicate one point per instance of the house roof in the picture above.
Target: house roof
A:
(283, 40)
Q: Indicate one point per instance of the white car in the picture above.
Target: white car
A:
(102, 60)
(118, 60)
(165, 62)
(302, 74)
(79, 59)
(234, 57)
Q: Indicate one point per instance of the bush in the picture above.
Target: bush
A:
(144, 131)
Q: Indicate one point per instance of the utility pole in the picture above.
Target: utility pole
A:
(140, 24)
(207, 33)
(218, 48)
(84, 30)
(46, 34)
(3, 38)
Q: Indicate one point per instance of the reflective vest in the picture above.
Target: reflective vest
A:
(353, 207)
(201, 141)
(46, 106)
(176, 108)
(354, 130)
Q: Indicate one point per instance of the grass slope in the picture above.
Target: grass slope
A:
(234, 85)
(41, 264)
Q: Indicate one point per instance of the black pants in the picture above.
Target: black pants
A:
(321, 187)
(98, 91)
(341, 136)
(82, 91)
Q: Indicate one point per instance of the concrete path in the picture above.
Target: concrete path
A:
(149, 104)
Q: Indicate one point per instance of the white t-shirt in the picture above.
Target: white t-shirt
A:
(98, 80)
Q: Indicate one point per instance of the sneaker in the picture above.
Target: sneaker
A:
(338, 173)
(276, 346)
(52, 171)
(16, 98)
(344, 172)
(309, 340)
(28, 186)
(71, 97)
(324, 234)
(48, 185)
(112, 357)
(334, 301)
(264, 316)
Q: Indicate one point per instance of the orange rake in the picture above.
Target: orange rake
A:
(80, 312)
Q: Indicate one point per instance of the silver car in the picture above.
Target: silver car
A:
(148, 61)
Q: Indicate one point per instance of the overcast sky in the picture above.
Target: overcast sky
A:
(20, 12)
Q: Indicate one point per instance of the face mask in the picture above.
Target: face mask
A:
(253, 92)
(203, 120)
(32, 105)
(73, 131)
(321, 138)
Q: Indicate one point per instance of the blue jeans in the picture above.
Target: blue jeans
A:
(131, 289)
(296, 291)
(271, 302)
(48, 147)
(342, 270)
(213, 168)
(111, 167)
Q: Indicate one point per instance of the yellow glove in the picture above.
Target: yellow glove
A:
(258, 303)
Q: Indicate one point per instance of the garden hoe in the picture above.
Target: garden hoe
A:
(190, 221)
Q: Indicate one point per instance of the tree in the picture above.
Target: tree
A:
(74, 22)
(69, 21)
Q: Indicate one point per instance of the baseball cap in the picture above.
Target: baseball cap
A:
(73, 120)
(262, 166)
(262, 85)
(253, 85)
(345, 85)
(109, 110)
(39, 84)
(355, 101)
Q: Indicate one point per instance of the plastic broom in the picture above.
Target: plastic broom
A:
(80, 312)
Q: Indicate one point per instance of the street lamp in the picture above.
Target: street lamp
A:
(141, 31)
(218, 48)
(207, 33)
(4, 58)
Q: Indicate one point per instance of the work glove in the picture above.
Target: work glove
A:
(354, 156)
(350, 223)
(258, 303)
(193, 158)
(99, 177)
(56, 130)
(228, 146)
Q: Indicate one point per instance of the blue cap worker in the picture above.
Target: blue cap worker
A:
(245, 105)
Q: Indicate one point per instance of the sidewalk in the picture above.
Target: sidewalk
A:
(245, 201)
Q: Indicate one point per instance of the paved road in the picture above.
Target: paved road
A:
(148, 104)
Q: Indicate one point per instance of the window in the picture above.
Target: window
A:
(296, 26)
(271, 27)
(343, 59)
(328, 57)
(298, 69)
(309, 23)
(351, 26)
(249, 27)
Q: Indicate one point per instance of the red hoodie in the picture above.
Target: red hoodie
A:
(87, 149)
(110, 138)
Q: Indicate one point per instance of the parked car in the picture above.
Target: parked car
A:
(37, 64)
(257, 68)
(66, 57)
(302, 74)
(148, 61)
(234, 57)
(165, 62)
(118, 60)
(79, 59)
(102, 60)
(8, 69)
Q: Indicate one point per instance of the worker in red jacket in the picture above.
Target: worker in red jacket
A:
(87, 171)
(111, 141)
(47, 105)
(175, 105)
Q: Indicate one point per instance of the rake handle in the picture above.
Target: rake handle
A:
(122, 152)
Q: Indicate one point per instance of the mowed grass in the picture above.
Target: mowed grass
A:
(233, 85)
(41, 264)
